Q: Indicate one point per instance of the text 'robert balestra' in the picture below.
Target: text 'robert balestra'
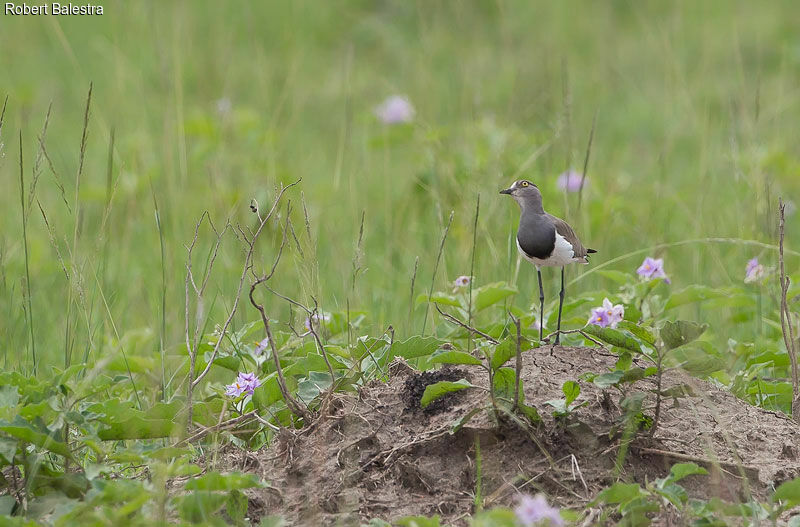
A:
(53, 9)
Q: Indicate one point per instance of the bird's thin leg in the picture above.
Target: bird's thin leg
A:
(541, 305)
(560, 305)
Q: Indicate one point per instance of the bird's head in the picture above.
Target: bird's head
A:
(522, 189)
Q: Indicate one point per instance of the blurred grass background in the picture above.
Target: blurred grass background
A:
(213, 104)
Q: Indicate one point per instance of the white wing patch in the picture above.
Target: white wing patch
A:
(563, 254)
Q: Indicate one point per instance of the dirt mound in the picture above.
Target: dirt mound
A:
(378, 456)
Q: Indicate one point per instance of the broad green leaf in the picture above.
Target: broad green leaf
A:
(236, 507)
(500, 517)
(788, 492)
(682, 470)
(200, 506)
(505, 380)
(490, 294)
(159, 421)
(613, 337)
(698, 358)
(455, 357)
(438, 298)
(691, 294)
(508, 349)
(25, 431)
(530, 412)
(606, 380)
(418, 521)
(416, 346)
(620, 493)
(571, 391)
(676, 334)
(459, 423)
(217, 481)
(8, 449)
(642, 333)
(624, 361)
(440, 389)
(269, 392)
(9, 396)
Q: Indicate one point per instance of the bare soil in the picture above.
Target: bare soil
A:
(377, 454)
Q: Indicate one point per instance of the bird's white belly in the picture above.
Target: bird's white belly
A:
(562, 255)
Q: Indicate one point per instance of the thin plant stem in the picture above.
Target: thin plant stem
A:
(28, 287)
(472, 269)
(163, 329)
(586, 161)
(411, 299)
(436, 268)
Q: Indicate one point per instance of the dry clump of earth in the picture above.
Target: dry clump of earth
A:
(379, 455)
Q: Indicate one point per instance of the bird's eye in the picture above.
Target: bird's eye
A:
(524, 183)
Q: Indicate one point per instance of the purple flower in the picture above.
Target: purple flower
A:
(396, 109)
(245, 383)
(462, 281)
(754, 271)
(607, 315)
(261, 347)
(652, 268)
(570, 181)
(535, 511)
(315, 319)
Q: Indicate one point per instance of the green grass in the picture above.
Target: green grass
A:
(696, 106)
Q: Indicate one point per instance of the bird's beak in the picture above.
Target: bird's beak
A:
(507, 191)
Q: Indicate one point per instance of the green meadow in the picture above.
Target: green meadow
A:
(683, 114)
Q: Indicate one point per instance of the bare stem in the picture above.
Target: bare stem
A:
(786, 318)
(466, 326)
(436, 268)
(519, 360)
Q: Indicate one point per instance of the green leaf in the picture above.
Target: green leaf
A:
(9, 396)
(236, 507)
(440, 389)
(642, 333)
(269, 392)
(624, 361)
(691, 294)
(416, 346)
(490, 294)
(505, 380)
(438, 298)
(571, 391)
(613, 337)
(682, 470)
(508, 349)
(530, 412)
(8, 449)
(676, 334)
(123, 422)
(217, 481)
(464, 419)
(455, 357)
(25, 431)
(200, 506)
(419, 521)
(620, 493)
(788, 492)
(606, 380)
(698, 358)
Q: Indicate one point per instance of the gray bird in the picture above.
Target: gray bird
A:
(544, 240)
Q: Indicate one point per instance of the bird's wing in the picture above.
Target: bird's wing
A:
(563, 228)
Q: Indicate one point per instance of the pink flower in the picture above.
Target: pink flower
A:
(607, 315)
(652, 268)
(754, 271)
(570, 181)
(245, 383)
(462, 281)
(315, 319)
(535, 511)
(261, 347)
(396, 109)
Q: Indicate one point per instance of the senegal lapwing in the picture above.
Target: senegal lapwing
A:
(544, 240)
